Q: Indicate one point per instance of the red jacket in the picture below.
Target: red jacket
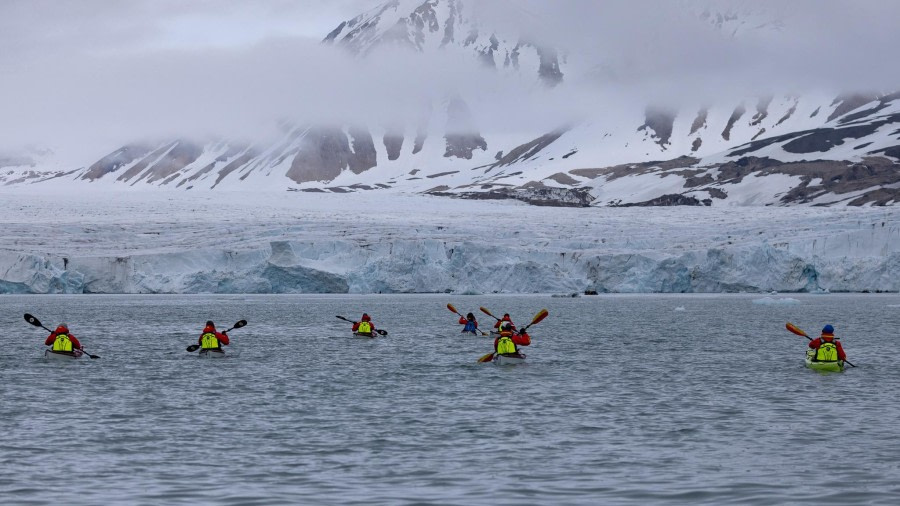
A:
(463, 321)
(220, 336)
(52, 338)
(814, 344)
(517, 339)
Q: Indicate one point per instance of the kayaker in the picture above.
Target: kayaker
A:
(509, 340)
(364, 325)
(210, 339)
(505, 318)
(62, 341)
(471, 325)
(828, 349)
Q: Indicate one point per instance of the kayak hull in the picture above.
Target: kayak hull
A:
(822, 366)
(212, 353)
(62, 356)
(470, 334)
(365, 335)
(511, 359)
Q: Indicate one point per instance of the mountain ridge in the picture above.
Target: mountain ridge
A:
(775, 149)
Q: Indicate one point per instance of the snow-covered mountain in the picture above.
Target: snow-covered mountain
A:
(776, 149)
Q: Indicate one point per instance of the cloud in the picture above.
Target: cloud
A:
(93, 73)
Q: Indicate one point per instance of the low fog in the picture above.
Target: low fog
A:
(85, 77)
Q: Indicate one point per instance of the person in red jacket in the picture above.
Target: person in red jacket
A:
(471, 326)
(505, 318)
(62, 341)
(828, 349)
(509, 341)
(210, 339)
(364, 325)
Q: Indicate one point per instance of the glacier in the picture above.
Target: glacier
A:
(289, 242)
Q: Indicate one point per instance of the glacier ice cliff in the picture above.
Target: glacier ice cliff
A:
(135, 244)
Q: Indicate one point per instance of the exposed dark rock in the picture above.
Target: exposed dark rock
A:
(334, 33)
(847, 103)
(735, 116)
(363, 156)
(462, 136)
(421, 135)
(878, 197)
(660, 120)
(669, 200)
(327, 151)
(234, 165)
(393, 143)
(487, 54)
(761, 131)
(817, 140)
(197, 175)
(115, 160)
(441, 174)
(570, 153)
(536, 194)
(788, 114)
(423, 18)
(893, 152)
(528, 150)
(699, 122)
(562, 178)
(163, 162)
(842, 177)
(717, 193)
(762, 111)
(696, 144)
(630, 169)
(823, 139)
(450, 24)
(549, 70)
(692, 182)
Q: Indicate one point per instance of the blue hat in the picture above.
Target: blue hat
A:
(828, 329)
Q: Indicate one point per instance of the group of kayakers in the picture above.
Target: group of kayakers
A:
(506, 343)
(62, 341)
(508, 339)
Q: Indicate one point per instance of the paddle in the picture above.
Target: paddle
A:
(794, 329)
(453, 309)
(543, 313)
(239, 324)
(485, 311)
(37, 323)
(379, 331)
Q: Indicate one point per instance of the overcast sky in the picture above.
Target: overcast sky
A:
(83, 73)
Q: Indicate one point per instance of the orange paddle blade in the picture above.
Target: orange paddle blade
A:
(487, 358)
(540, 316)
(793, 328)
(485, 311)
(451, 308)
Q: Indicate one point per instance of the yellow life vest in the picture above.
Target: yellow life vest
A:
(827, 352)
(506, 345)
(209, 341)
(364, 328)
(62, 343)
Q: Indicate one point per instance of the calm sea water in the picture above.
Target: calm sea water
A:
(624, 400)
